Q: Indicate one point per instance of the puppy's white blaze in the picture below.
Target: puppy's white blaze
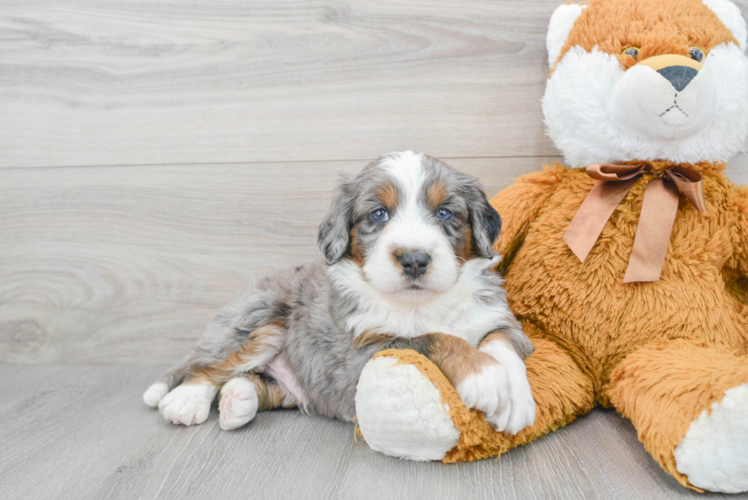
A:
(487, 391)
(239, 403)
(155, 393)
(407, 168)
(461, 311)
(579, 97)
(520, 412)
(188, 404)
(410, 231)
(412, 228)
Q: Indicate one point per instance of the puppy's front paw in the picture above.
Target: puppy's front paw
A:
(188, 404)
(239, 403)
(486, 390)
(519, 412)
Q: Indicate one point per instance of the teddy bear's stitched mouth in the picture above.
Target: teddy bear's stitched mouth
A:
(674, 106)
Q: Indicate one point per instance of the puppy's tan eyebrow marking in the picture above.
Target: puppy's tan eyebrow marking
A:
(466, 252)
(387, 194)
(355, 249)
(436, 194)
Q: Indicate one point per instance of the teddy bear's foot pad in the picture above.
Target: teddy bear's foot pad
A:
(714, 452)
(401, 414)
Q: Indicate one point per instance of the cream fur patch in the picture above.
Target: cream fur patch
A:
(400, 412)
(714, 451)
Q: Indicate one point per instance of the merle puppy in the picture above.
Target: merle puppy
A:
(408, 264)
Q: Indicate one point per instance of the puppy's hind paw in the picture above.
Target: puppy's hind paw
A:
(188, 404)
(239, 403)
(155, 393)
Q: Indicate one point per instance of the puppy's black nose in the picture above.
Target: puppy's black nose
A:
(678, 76)
(414, 264)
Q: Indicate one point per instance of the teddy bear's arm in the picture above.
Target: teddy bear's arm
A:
(520, 204)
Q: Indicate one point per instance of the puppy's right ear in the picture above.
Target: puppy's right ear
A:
(334, 236)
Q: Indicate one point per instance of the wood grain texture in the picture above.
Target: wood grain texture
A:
(184, 148)
(112, 82)
(127, 264)
(83, 433)
(116, 82)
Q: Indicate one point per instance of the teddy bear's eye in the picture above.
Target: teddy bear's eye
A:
(633, 52)
(696, 54)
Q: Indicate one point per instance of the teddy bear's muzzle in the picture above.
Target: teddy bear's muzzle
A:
(676, 69)
(666, 97)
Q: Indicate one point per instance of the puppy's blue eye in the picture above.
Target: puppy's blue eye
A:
(443, 214)
(380, 215)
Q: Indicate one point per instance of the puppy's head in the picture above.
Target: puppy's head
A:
(410, 222)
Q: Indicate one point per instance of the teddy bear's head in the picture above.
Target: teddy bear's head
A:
(647, 80)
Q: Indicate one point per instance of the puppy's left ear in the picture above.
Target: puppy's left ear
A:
(485, 221)
(333, 236)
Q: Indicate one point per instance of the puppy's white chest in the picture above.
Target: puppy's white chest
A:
(473, 307)
(463, 312)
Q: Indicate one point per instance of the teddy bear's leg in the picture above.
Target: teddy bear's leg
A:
(407, 408)
(689, 403)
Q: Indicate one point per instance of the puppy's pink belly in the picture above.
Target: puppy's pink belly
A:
(279, 371)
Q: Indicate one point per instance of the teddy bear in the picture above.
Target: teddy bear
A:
(628, 265)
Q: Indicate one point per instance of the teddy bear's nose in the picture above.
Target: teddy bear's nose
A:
(678, 76)
(677, 69)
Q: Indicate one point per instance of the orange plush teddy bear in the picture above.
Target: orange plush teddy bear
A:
(629, 267)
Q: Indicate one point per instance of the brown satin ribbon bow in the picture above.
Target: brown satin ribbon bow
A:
(659, 208)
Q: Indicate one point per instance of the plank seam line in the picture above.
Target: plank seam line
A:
(203, 164)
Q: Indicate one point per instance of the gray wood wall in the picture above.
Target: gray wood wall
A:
(155, 156)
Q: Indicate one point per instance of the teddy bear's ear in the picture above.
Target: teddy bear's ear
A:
(731, 17)
(562, 21)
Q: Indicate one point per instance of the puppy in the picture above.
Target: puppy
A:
(408, 249)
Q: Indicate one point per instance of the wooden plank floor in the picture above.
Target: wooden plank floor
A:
(157, 156)
(75, 432)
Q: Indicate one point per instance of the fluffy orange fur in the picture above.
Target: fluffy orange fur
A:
(662, 27)
(660, 353)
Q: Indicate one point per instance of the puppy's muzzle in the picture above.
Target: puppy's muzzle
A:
(415, 264)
